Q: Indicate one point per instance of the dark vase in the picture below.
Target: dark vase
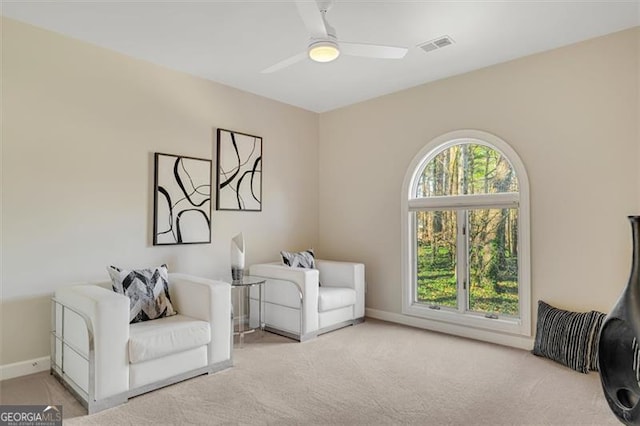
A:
(618, 346)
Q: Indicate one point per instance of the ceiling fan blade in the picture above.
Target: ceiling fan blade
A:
(373, 50)
(312, 18)
(285, 63)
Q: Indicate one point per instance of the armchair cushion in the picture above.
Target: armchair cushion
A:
(304, 259)
(330, 298)
(154, 339)
(147, 290)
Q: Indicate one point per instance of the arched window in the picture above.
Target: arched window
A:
(466, 234)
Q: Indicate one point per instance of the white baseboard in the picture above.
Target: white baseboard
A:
(23, 368)
(520, 342)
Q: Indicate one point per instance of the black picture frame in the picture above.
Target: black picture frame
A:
(181, 200)
(239, 171)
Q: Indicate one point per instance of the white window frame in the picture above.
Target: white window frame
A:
(409, 204)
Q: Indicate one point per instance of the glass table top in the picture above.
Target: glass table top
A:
(247, 280)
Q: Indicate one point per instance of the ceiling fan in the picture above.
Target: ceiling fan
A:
(323, 42)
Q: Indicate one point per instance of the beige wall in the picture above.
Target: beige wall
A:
(80, 126)
(572, 116)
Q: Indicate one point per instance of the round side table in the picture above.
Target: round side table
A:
(243, 287)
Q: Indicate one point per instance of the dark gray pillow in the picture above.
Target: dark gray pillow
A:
(564, 336)
(147, 290)
(595, 339)
(304, 259)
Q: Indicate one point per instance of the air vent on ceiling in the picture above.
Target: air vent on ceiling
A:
(437, 43)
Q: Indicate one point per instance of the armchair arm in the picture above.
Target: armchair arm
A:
(206, 300)
(108, 313)
(344, 274)
(306, 282)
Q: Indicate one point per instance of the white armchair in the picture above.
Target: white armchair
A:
(103, 360)
(303, 303)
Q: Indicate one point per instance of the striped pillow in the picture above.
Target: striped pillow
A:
(304, 259)
(564, 336)
(595, 339)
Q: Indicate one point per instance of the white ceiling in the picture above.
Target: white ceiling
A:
(230, 42)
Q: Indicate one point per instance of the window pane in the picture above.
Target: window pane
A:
(493, 261)
(436, 258)
(467, 169)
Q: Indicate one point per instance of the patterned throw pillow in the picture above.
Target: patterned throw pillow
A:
(595, 339)
(564, 336)
(303, 259)
(147, 290)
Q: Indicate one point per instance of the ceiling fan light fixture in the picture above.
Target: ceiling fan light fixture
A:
(324, 51)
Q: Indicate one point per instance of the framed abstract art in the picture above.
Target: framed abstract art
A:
(182, 200)
(239, 171)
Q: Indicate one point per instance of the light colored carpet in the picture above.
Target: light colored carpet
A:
(373, 373)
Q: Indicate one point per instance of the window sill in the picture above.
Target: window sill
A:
(473, 320)
(511, 340)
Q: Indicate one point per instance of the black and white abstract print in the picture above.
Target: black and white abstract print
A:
(239, 179)
(182, 210)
